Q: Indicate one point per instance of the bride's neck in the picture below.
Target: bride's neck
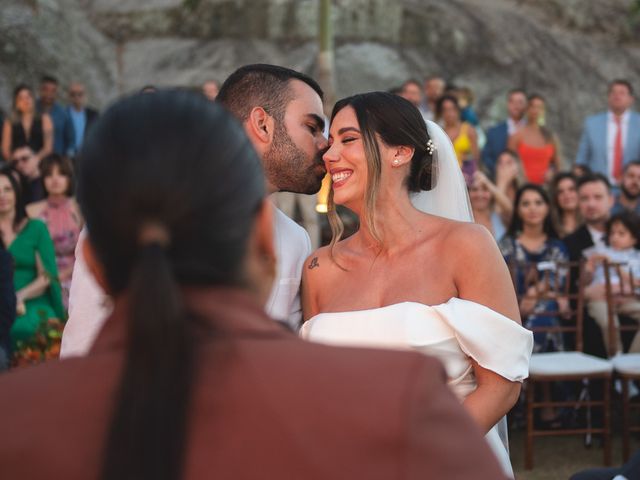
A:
(395, 223)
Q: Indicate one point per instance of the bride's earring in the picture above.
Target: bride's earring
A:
(396, 162)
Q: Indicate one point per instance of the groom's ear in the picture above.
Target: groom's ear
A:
(260, 127)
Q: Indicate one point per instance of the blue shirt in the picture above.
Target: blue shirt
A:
(618, 208)
(79, 121)
(63, 138)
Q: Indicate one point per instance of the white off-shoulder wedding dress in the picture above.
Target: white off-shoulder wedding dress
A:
(453, 332)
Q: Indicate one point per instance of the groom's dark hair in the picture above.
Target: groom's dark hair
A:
(261, 85)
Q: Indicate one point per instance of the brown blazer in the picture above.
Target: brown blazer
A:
(277, 408)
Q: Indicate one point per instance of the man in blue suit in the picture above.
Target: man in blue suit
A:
(611, 139)
(498, 135)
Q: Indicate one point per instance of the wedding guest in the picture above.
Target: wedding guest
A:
(580, 171)
(82, 116)
(412, 91)
(509, 177)
(26, 163)
(61, 214)
(7, 306)
(465, 100)
(623, 240)
(594, 202)
(189, 378)
(210, 89)
(498, 135)
(63, 134)
(462, 135)
(35, 274)
(611, 139)
(564, 203)
(629, 196)
(484, 196)
(532, 240)
(26, 127)
(536, 145)
(433, 89)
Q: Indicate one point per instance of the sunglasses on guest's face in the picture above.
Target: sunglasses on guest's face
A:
(76, 94)
(22, 159)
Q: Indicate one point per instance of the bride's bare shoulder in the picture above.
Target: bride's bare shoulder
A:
(457, 235)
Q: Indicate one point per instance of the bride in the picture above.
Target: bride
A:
(409, 277)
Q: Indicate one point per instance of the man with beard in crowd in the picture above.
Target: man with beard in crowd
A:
(629, 196)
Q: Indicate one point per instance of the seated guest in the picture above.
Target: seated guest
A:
(628, 471)
(35, 274)
(189, 378)
(27, 164)
(622, 239)
(509, 176)
(629, 197)
(7, 306)
(61, 214)
(536, 145)
(564, 203)
(484, 195)
(531, 239)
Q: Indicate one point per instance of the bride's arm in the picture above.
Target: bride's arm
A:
(482, 276)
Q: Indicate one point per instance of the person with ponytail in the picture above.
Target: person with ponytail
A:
(409, 277)
(189, 378)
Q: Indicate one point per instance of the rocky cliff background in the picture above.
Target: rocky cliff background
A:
(567, 50)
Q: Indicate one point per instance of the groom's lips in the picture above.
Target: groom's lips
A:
(339, 176)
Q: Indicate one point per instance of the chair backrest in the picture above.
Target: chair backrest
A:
(552, 281)
(620, 286)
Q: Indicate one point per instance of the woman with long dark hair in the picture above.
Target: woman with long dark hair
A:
(189, 378)
(35, 277)
(531, 239)
(25, 127)
(564, 203)
(412, 276)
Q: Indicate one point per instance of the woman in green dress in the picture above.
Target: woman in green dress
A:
(38, 296)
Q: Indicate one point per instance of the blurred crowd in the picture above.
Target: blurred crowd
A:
(538, 205)
(40, 221)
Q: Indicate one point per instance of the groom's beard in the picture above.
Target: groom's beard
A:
(289, 168)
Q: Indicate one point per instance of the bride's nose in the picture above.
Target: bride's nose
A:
(330, 155)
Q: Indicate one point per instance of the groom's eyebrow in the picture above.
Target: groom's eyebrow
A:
(319, 121)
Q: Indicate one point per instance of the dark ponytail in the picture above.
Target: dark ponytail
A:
(160, 219)
(150, 418)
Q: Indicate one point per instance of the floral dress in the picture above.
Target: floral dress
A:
(552, 251)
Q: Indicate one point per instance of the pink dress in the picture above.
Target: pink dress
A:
(64, 226)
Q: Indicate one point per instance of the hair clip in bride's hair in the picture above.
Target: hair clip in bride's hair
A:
(431, 147)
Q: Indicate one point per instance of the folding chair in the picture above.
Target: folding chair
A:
(551, 282)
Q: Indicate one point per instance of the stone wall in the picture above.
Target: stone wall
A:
(566, 50)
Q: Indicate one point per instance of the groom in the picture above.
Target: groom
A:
(281, 111)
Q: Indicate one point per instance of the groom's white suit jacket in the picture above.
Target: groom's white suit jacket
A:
(89, 306)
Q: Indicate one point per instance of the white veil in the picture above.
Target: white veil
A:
(449, 197)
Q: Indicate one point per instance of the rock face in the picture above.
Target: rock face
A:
(567, 50)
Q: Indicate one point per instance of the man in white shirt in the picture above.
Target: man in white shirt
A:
(281, 111)
(610, 140)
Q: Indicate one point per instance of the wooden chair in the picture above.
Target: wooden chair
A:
(626, 365)
(552, 281)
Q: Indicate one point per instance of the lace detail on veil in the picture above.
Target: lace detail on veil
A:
(448, 197)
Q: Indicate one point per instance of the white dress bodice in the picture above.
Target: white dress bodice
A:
(454, 332)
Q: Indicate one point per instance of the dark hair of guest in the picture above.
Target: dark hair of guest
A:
(156, 161)
(594, 178)
(517, 224)
(442, 100)
(20, 210)
(64, 167)
(630, 221)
